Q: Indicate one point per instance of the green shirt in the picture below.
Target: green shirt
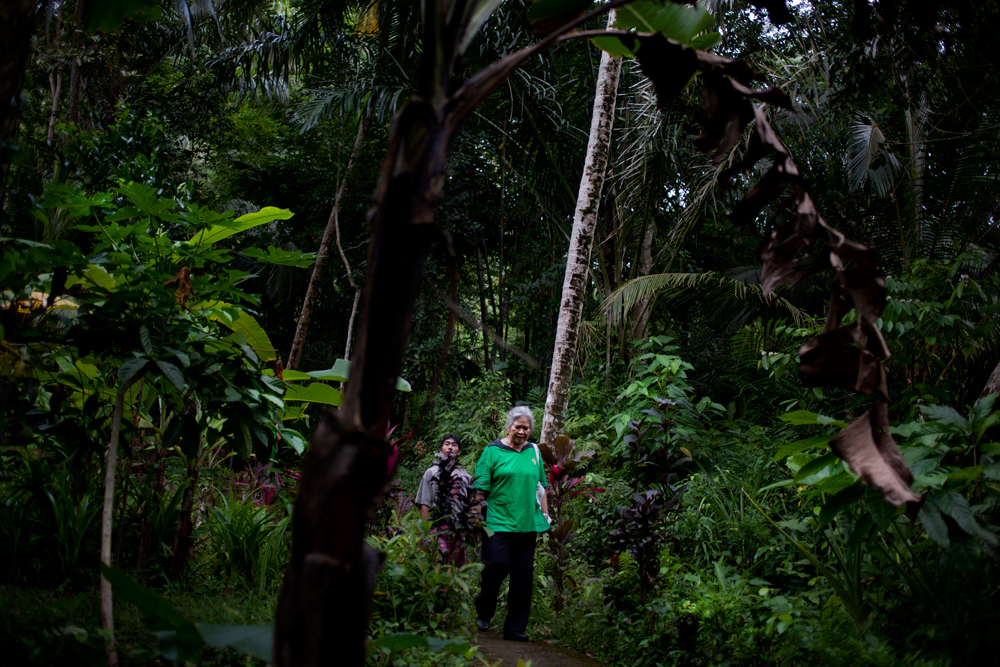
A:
(509, 478)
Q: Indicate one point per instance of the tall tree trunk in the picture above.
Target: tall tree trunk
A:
(17, 20)
(483, 313)
(332, 232)
(449, 334)
(55, 79)
(581, 240)
(107, 518)
(640, 311)
(75, 75)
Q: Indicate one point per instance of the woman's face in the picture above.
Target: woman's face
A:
(449, 448)
(519, 431)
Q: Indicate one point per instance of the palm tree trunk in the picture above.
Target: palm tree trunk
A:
(581, 239)
(332, 232)
(107, 517)
(17, 18)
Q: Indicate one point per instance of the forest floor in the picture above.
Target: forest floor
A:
(494, 648)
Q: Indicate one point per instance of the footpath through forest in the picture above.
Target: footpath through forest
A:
(494, 648)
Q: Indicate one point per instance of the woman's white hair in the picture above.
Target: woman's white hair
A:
(516, 413)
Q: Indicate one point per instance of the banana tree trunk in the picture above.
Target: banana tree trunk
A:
(575, 280)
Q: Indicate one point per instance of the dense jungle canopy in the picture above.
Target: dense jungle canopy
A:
(224, 221)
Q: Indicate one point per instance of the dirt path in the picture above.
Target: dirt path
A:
(541, 654)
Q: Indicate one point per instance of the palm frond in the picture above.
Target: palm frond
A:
(869, 159)
(741, 285)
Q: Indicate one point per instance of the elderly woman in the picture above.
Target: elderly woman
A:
(507, 475)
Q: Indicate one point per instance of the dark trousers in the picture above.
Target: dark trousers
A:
(503, 554)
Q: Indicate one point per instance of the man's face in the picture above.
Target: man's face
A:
(449, 448)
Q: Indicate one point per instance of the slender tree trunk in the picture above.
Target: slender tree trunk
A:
(55, 80)
(449, 334)
(55, 84)
(75, 75)
(640, 311)
(582, 238)
(332, 232)
(107, 518)
(484, 314)
(17, 20)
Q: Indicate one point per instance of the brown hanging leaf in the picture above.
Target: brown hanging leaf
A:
(846, 356)
(279, 370)
(870, 452)
(184, 288)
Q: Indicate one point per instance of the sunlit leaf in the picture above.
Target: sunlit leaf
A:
(216, 233)
(674, 21)
(316, 392)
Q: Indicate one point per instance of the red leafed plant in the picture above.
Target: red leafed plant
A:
(560, 462)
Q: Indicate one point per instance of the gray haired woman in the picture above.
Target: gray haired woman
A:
(507, 475)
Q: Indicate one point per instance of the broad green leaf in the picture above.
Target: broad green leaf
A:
(954, 504)
(254, 640)
(835, 482)
(172, 373)
(817, 469)
(95, 274)
(840, 501)
(934, 524)
(616, 47)
(130, 367)
(881, 511)
(342, 369)
(293, 438)
(984, 407)
(799, 417)
(966, 475)
(675, 21)
(706, 41)
(280, 257)
(800, 445)
(314, 393)
(292, 375)
(293, 412)
(216, 233)
(243, 323)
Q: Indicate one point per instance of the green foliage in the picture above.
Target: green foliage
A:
(476, 412)
(416, 594)
(247, 544)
